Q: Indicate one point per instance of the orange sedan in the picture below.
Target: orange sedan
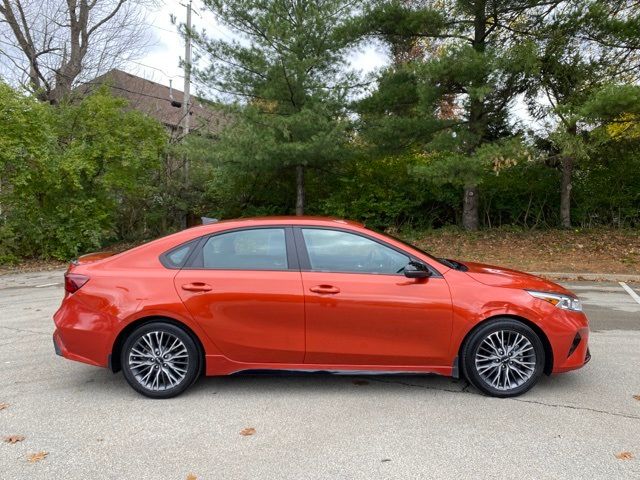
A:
(311, 294)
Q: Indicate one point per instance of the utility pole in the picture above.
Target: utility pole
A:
(187, 85)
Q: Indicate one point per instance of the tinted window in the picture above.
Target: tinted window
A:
(335, 251)
(260, 249)
(175, 258)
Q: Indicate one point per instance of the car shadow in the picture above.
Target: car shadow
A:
(324, 383)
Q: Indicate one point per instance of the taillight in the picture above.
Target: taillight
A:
(74, 281)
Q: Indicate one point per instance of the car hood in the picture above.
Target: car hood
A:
(505, 277)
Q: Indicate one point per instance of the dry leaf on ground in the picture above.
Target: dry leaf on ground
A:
(3, 406)
(247, 431)
(36, 457)
(624, 456)
(13, 438)
(191, 476)
(603, 250)
(637, 397)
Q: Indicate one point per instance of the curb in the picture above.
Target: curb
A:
(591, 277)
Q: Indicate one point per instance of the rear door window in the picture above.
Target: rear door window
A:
(254, 249)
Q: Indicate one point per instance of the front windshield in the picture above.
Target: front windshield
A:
(410, 245)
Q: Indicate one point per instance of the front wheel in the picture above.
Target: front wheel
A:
(160, 360)
(503, 358)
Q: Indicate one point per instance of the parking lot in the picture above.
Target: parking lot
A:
(94, 426)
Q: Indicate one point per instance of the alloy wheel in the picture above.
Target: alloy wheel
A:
(159, 360)
(505, 360)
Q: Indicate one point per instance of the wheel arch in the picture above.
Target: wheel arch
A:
(114, 356)
(548, 351)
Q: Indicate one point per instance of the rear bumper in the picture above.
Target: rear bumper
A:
(62, 350)
(76, 336)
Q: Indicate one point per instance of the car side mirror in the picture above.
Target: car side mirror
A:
(416, 270)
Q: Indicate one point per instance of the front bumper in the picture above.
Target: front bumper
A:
(575, 356)
(56, 346)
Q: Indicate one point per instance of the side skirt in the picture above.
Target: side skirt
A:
(220, 365)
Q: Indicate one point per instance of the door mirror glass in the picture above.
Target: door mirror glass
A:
(416, 270)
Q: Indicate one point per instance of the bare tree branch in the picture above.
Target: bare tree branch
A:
(65, 42)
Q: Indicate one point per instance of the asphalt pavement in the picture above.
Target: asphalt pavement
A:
(94, 426)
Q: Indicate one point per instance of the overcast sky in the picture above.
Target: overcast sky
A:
(162, 63)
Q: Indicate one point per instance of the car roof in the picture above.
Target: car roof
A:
(284, 220)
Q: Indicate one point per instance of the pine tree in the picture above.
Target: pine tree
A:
(285, 69)
(479, 60)
(588, 51)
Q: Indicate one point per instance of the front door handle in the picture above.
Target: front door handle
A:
(330, 289)
(197, 287)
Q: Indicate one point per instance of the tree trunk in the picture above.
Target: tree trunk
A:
(300, 190)
(470, 219)
(565, 192)
(471, 201)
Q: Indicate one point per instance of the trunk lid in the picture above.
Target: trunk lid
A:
(90, 258)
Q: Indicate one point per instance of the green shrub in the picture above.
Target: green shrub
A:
(66, 171)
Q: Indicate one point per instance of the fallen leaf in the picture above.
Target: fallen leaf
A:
(191, 476)
(384, 460)
(637, 397)
(360, 382)
(624, 456)
(36, 457)
(3, 406)
(247, 431)
(13, 438)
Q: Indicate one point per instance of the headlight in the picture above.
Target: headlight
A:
(557, 299)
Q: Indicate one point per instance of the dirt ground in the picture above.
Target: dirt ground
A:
(573, 251)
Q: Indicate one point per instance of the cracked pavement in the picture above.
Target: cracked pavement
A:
(314, 426)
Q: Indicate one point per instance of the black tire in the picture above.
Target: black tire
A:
(189, 361)
(476, 361)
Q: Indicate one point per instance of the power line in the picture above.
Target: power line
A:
(152, 25)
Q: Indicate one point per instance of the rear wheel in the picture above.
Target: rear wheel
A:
(160, 360)
(503, 358)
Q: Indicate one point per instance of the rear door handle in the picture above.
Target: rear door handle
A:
(197, 287)
(330, 289)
